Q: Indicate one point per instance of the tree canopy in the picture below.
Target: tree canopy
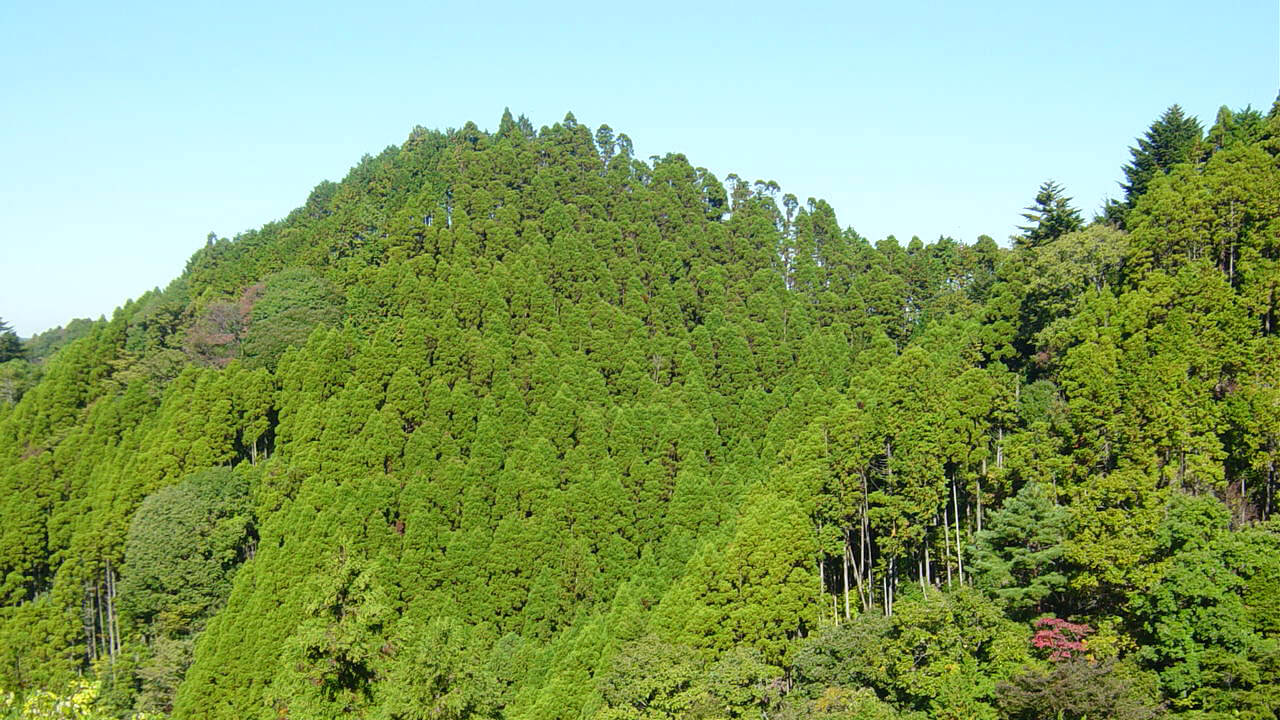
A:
(516, 424)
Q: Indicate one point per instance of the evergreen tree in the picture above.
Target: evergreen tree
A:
(10, 346)
(1020, 554)
(1049, 218)
(1172, 139)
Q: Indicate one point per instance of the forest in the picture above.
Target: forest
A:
(515, 424)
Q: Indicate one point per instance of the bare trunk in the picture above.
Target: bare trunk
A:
(959, 542)
(113, 626)
(984, 473)
(884, 593)
(1271, 474)
(893, 582)
(928, 568)
(1244, 501)
(109, 611)
(864, 549)
(102, 617)
(999, 448)
(845, 566)
(87, 618)
(822, 577)
(946, 536)
(870, 564)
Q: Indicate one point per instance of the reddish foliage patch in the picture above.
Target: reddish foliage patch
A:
(1062, 638)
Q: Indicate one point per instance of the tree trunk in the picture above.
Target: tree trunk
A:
(884, 593)
(928, 568)
(865, 549)
(1271, 474)
(113, 627)
(845, 567)
(984, 472)
(100, 635)
(893, 582)
(1000, 448)
(946, 535)
(89, 622)
(959, 543)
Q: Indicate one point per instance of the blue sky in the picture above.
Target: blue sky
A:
(129, 131)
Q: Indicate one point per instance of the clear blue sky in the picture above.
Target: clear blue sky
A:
(129, 131)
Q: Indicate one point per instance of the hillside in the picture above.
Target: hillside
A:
(514, 424)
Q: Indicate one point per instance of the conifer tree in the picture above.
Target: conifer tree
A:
(1049, 218)
(10, 345)
(1020, 554)
(1172, 139)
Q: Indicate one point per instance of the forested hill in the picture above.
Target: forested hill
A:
(518, 425)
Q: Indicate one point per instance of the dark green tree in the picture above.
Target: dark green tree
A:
(1172, 139)
(1080, 689)
(10, 346)
(1019, 556)
(183, 547)
(291, 304)
(1049, 217)
(330, 664)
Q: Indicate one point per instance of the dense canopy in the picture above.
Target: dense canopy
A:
(514, 424)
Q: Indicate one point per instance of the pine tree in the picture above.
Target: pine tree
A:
(10, 346)
(1049, 218)
(1019, 556)
(1174, 138)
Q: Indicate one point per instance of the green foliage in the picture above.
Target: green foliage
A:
(160, 672)
(942, 653)
(844, 704)
(1050, 217)
(80, 700)
(330, 662)
(1019, 556)
(1234, 129)
(756, 591)
(1058, 274)
(520, 425)
(1197, 630)
(652, 679)
(437, 671)
(184, 545)
(17, 376)
(10, 345)
(1172, 139)
(41, 346)
(291, 305)
(1078, 690)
